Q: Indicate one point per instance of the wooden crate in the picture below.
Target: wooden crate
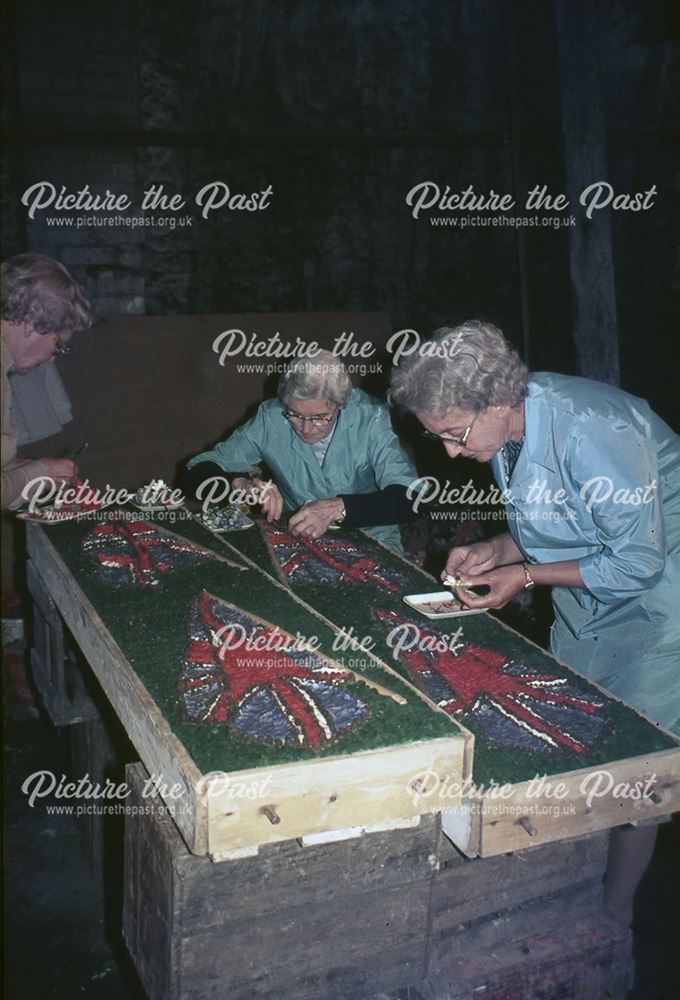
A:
(525, 924)
(378, 913)
(337, 920)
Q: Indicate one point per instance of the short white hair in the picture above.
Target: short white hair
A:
(468, 367)
(323, 376)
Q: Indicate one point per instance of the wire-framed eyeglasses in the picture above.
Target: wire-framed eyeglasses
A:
(446, 439)
(318, 420)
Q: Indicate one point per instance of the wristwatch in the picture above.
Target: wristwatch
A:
(343, 513)
(529, 583)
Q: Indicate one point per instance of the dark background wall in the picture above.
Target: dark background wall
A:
(342, 108)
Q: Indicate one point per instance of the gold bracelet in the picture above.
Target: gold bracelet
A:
(529, 581)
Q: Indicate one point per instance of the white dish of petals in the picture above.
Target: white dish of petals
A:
(440, 605)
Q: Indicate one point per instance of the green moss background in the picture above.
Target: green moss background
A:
(627, 734)
(151, 627)
(150, 624)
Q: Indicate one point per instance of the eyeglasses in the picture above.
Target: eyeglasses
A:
(445, 439)
(60, 347)
(316, 421)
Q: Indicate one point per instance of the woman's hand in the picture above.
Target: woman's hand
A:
(268, 495)
(313, 519)
(60, 470)
(470, 560)
(263, 492)
(504, 583)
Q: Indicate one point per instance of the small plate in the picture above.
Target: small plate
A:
(149, 508)
(441, 604)
(218, 520)
(51, 515)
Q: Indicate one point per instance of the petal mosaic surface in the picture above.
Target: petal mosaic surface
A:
(246, 673)
(138, 553)
(517, 706)
(328, 560)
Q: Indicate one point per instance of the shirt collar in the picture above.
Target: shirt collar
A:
(537, 449)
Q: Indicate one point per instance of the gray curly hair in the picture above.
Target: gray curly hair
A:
(322, 376)
(40, 291)
(468, 367)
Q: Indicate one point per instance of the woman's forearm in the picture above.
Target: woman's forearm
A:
(507, 581)
(556, 574)
(507, 551)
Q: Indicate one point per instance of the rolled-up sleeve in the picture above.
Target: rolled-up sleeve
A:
(614, 469)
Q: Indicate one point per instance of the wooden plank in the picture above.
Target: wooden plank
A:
(158, 747)
(529, 819)
(344, 948)
(586, 849)
(330, 794)
(286, 873)
(544, 915)
(465, 890)
(150, 915)
(390, 969)
(594, 959)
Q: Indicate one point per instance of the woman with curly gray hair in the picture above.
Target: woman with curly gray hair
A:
(590, 480)
(40, 292)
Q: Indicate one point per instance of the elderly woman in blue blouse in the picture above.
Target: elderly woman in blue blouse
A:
(590, 480)
(330, 449)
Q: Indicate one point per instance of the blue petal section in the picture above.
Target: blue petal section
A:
(261, 719)
(574, 722)
(343, 707)
(586, 729)
(436, 687)
(313, 570)
(503, 732)
(198, 701)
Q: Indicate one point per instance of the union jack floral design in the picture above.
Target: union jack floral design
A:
(517, 706)
(327, 560)
(138, 553)
(264, 684)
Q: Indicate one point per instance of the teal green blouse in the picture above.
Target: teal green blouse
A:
(364, 456)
